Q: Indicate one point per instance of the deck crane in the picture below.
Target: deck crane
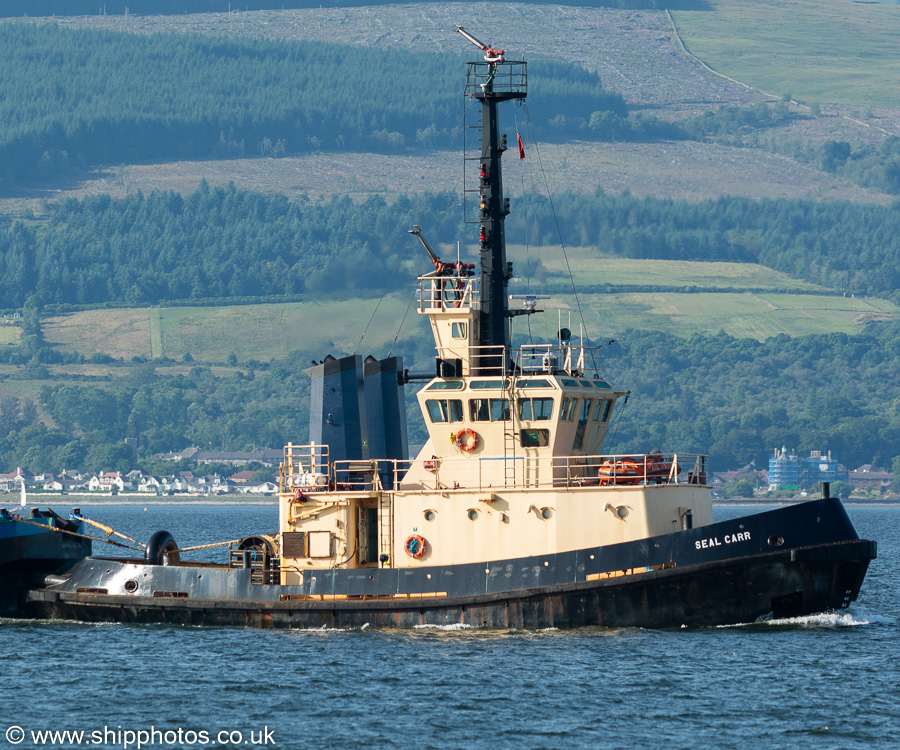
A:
(490, 55)
(443, 269)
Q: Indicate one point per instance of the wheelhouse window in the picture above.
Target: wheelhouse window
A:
(601, 412)
(489, 409)
(446, 385)
(538, 409)
(582, 424)
(481, 385)
(445, 410)
(567, 412)
(531, 438)
(533, 384)
(458, 330)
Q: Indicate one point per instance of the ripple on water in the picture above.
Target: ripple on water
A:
(827, 681)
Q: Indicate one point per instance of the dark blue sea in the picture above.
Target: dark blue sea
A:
(831, 681)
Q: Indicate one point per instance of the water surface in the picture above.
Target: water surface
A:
(829, 681)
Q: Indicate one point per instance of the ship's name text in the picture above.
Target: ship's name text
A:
(741, 536)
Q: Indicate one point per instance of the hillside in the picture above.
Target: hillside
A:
(211, 334)
(827, 51)
(86, 97)
(638, 56)
(667, 211)
(776, 305)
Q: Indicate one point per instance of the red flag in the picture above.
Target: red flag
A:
(521, 145)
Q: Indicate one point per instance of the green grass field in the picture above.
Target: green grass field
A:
(757, 316)
(212, 333)
(816, 50)
(9, 334)
(263, 332)
(588, 271)
(155, 330)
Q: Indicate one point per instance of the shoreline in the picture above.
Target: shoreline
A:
(770, 503)
(35, 500)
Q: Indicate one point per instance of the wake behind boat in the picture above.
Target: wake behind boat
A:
(510, 515)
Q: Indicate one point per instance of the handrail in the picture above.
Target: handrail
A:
(448, 293)
(306, 468)
(506, 79)
(479, 472)
(557, 358)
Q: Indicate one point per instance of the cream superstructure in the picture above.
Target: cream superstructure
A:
(512, 467)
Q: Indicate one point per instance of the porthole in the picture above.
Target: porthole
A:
(546, 513)
(429, 515)
(131, 586)
(622, 512)
(776, 541)
(473, 514)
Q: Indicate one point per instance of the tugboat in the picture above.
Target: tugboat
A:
(34, 545)
(508, 517)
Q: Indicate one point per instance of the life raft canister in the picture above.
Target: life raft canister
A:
(415, 546)
(465, 444)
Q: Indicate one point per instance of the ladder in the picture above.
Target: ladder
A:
(472, 158)
(385, 528)
(509, 428)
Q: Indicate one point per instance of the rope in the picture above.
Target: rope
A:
(208, 546)
(421, 208)
(103, 527)
(383, 295)
(556, 219)
(618, 419)
(45, 526)
(524, 224)
(16, 519)
(402, 321)
(525, 211)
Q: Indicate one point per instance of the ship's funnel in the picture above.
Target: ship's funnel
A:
(358, 410)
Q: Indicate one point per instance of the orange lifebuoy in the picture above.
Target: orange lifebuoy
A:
(415, 546)
(461, 442)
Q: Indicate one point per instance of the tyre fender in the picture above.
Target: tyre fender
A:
(162, 549)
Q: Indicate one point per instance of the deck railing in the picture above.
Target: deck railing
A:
(307, 470)
(557, 358)
(448, 293)
(501, 80)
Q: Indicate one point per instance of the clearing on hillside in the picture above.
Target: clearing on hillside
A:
(777, 305)
(815, 50)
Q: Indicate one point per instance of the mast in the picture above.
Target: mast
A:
(493, 81)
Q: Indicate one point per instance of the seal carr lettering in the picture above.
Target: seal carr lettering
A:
(741, 536)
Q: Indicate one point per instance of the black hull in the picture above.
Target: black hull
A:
(28, 553)
(790, 584)
(744, 571)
